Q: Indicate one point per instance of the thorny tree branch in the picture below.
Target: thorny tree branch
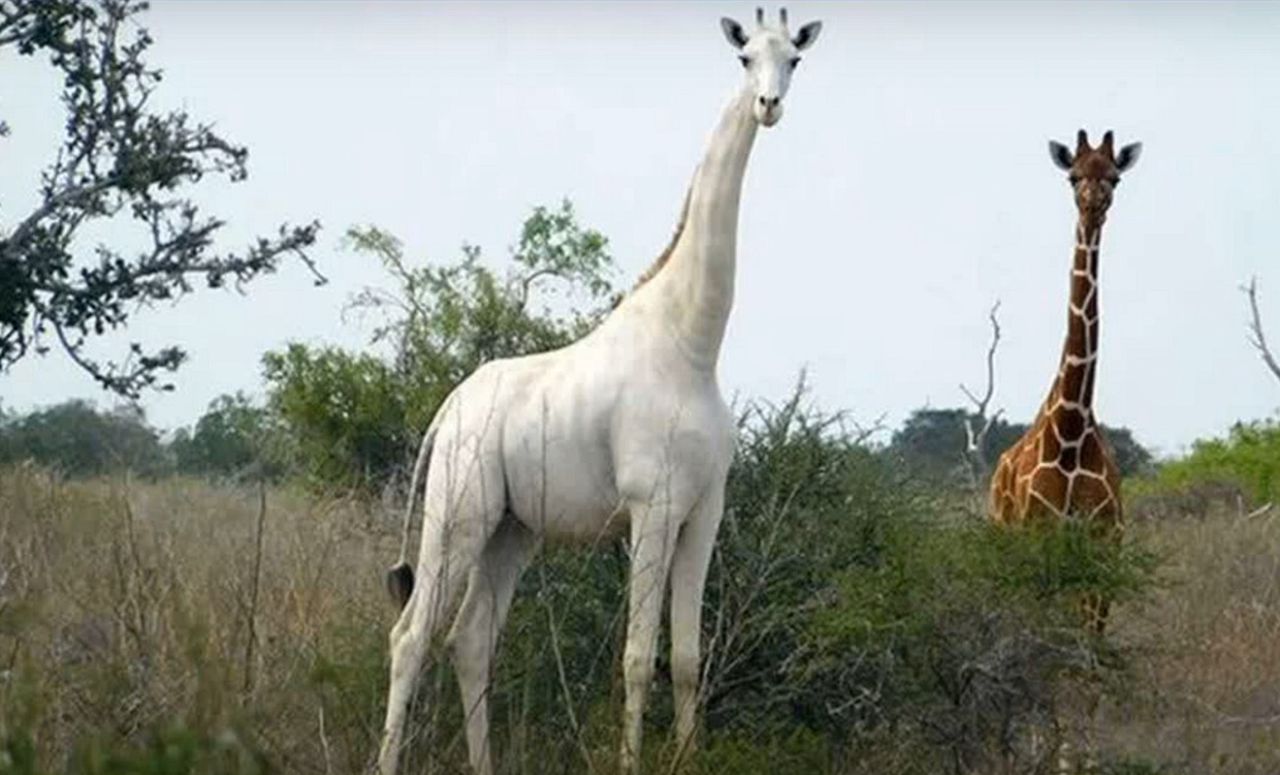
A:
(1256, 337)
(118, 159)
(978, 424)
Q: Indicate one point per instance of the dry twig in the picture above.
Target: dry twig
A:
(1256, 337)
(978, 424)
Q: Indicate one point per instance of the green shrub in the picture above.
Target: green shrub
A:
(963, 637)
(1248, 458)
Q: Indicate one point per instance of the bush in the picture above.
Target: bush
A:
(962, 638)
(1248, 458)
(233, 438)
(345, 415)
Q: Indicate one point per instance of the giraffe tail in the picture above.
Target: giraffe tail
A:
(400, 576)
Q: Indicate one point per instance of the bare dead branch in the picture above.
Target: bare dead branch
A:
(1256, 337)
(978, 424)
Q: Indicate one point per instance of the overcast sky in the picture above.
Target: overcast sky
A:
(907, 187)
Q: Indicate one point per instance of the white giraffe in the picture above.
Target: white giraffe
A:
(623, 429)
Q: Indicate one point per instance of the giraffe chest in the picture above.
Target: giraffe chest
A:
(1061, 469)
(1067, 471)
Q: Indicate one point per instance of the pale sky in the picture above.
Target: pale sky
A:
(907, 187)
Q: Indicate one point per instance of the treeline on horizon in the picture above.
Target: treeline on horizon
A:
(350, 420)
(233, 440)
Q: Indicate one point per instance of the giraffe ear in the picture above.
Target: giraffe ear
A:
(806, 36)
(733, 32)
(1128, 156)
(1061, 155)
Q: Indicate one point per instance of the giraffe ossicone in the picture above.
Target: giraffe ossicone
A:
(623, 430)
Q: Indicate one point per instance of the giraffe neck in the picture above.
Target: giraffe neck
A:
(698, 280)
(1079, 365)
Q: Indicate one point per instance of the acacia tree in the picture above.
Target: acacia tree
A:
(119, 160)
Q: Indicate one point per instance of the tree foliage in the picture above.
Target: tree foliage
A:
(1247, 458)
(345, 413)
(357, 417)
(79, 440)
(119, 160)
(233, 437)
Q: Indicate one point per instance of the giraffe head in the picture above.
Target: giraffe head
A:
(769, 55)
(1094, 173)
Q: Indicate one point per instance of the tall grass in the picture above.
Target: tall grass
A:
(851, 629)
(131, 616)
(1207, 700)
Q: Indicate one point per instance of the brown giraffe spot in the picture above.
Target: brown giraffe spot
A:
(1039, 507)
(1076, 331)
(1093, 456)
(1087, 494)
(1050, 484)
(1068, 459)
(1087, 397)
(1070, 425)
(1050, 448)
(1072, 381)
(1080, 286)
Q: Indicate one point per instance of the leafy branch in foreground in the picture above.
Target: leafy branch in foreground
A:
(117, 158)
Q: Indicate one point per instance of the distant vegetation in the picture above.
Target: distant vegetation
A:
(1248, 458)
(931, 441)
(79, 440)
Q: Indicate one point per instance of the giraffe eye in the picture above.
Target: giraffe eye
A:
(795, 61)
(745, 60)
(1073, 179)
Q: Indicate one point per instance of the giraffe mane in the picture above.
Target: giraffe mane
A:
(665, 255)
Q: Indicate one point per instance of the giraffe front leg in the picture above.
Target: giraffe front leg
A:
(688, 581)
(652, 547)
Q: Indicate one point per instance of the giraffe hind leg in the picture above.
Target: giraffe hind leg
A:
(454, 533)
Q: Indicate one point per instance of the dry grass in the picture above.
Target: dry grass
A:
(127, 608)
(1206, 699)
